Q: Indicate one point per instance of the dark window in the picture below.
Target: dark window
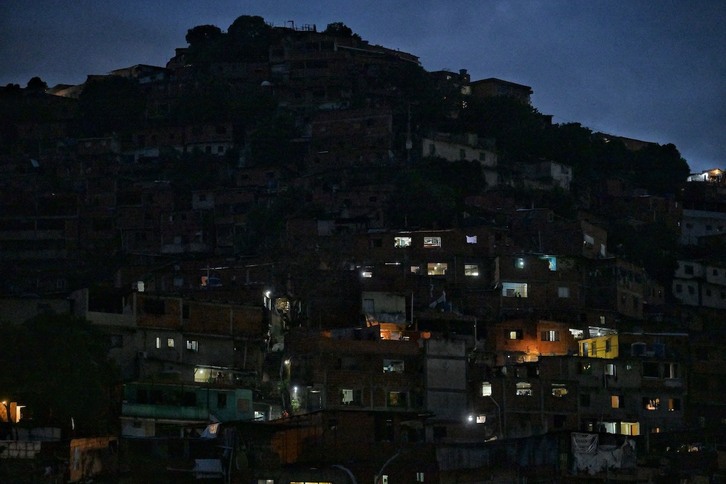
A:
(154, 306)
(584, 399)
(189, 399)
(117, 341)
(221, 400)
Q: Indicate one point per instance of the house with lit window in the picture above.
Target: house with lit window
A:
(517, 341)
(181, 340)
(438, 269)
(641, 390)
(547, 285)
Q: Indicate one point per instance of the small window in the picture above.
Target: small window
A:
(674, 404)
(551, 335)
(471, 239)
(393, 366)
(430, 242)
(651, 404)
(616, 401)
(559, 390)
(415, 269)
(610, 369)
(170, 342)
(514, 289)
(397, 399)
(221, 400)
(158, 343)
(584, 399)
(519, 263)
(515, 334)
(192, 345)
(401, 242)
(350, 396)
(524, 389)
(563, 292)
(471, 270)
(651, 370)
(437, 268)
(486, 389)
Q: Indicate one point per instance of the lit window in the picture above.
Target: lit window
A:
(551, 262)
(192, 345)
(559, 390)
(471, 239)
(519, 262)
(393, 366)
(401, 242)
(651, 403)
(352, 397)
(563, 292)
(432, 242)
(629, 428)
(480, 419)
(551, 335)
(471, 270)
(397, 399)
(514, 289)
(419, 477)
(486, 389)
(515, 334)
(415, 269)
(610, 369)
(674, 404)
(670, 370)
(616, 401)
(367, 272)
(524, 389)
(158, 343)
(437, 268)
(170, 342)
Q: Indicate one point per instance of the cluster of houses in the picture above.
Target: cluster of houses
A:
(512, 346)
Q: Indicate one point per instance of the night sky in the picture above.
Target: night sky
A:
(653, 69)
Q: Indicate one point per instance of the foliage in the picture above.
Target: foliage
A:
(110, 104)
(432, 194)
(339, 29)
(57, 366)
(654, 246)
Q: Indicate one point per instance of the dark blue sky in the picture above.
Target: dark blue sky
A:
(647, 69)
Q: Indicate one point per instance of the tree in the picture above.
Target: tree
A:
(202, 34)
(57, 366)
(110, 104)
(36, 84)
(249, 39)
(338, 29)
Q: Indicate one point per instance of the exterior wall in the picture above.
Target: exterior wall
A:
(446, 378)
(453, 151)
(594, 240)
(356, 373)
(539, 282)
(517, 341)
(600, 347)
(700, 223)
(350, 137)
(497, 87)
